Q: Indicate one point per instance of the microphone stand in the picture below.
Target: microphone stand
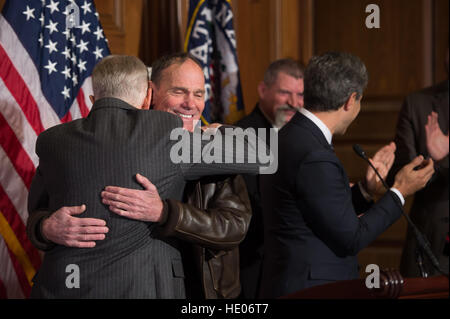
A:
(423, 243)
(419, 261)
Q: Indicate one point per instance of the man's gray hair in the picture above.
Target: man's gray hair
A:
(121, 76)
(287, 65)
(331, 78)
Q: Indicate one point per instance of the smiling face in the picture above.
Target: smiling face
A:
(181, 91)
(282, 99)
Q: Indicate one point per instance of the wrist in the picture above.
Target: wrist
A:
(43, 230)
(164, 212)
(399, 195)
(399, 188)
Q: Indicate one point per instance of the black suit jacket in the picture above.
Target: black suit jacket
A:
(252, 247)
(430, 209)
(76, 161)
(312, 232)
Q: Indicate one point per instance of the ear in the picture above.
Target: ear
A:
(148, 97)
(262, 88)
(350, 102)
(92, 98)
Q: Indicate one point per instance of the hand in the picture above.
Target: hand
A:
(437, 142)
(144, 205)
(212, 126)
(409, 180)
(382, 161)
(65, 229)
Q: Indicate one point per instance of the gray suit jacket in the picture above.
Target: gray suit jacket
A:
(80, 158)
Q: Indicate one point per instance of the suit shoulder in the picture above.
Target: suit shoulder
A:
(430, 91)
(164, 118)
(253, 120)
(301, 141)
(59, 129)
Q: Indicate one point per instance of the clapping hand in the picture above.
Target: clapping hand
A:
(382, 161)
(437, 142)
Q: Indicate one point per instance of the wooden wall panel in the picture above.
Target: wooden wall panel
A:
(267, 30)
(440, 45)
(394, 54)
(253, 36)
(121, 21)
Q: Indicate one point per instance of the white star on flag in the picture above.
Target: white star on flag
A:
(51, 46)
(66, 53)
(86, 7)
(52, 26)
(85, 27)
(66, 33)
(83, 46)
(73, 39)
(53, 6)
(51, 66)
(29, 13)
(66, 93)
(42, 19)
(66, 72)
(82, 65)
(74, 58)
(98, 53)
(74, 79)
(98, 33)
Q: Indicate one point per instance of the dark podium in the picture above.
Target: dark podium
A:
(392, 286)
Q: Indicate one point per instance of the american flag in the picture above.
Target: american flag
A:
(48, 49)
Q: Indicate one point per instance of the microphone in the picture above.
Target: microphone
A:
(421, 240)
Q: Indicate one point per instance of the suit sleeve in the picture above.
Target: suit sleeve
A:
(37, 212)
(325, 199)
(221, 225)
(229, 151)
(405, 140)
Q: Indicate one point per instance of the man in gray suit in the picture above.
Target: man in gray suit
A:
(78, 159)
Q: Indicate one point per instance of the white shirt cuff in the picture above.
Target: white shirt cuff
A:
(396, 191)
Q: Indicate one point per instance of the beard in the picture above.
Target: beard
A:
(283, 115)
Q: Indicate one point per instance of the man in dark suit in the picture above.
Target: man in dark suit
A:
(78, 159)
(280, 97)
(311, 223)
(422, 122)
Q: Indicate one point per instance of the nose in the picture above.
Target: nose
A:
(189, 101)
(295, 101)
(292, 100)
(300, 101)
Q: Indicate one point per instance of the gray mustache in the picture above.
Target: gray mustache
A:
(287, 107)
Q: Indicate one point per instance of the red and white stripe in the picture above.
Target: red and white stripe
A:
(24, 114)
